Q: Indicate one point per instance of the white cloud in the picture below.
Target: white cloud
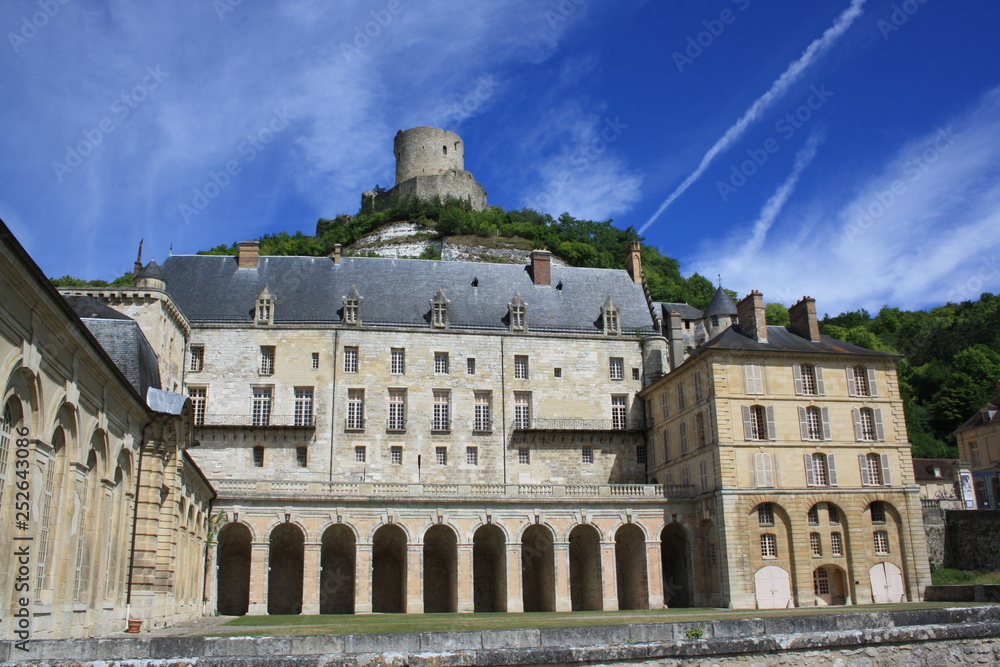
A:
(919, 233)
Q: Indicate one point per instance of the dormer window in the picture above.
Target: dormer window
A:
(265, 307)
(352, 306)
(439, 310)
(609, 313)
(518, 320)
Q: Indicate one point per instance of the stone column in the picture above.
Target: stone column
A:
(609, 572)
(515, 599)
(258, 578)
(564, 601)
(310, 578)
(466, 601)
(363, 579)
(654, 575)
(414, 579)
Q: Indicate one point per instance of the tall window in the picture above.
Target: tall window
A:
(681, 400)
(815, 545)
(396, 455)
(302, 457)
(754, 378)
(812, 424)
(683, 429)
(612, 324)
(808, 379)
(764, 469)
(315, 360)
(441, 456)
(197, 359)
(350, 360)
(874, 469)
(768, 545)
(868, 424)
(397, 363)
(522, 409)
(267, 360)
(703, 471)
(836, 544)
(258, 457)
(352, 308)
(397, 409)
(821, 580)
(699, 423)
(881, 539)
(483, 420)
(641, 455)
(758, 422)
(587, 454)
(517, 312)
(524, 456)
(45, 522)
(260, 412)
(470, 366)
(472, 456)
(355, 409)
(303, 406)
(360, 454)
(974, 453)
(441, 362)
(877, 510)
(521, 367)
(264, 311)
(665, 404)
(699, 386)
(833, 515)
(439, 310)
(820, 470)
(199, 397)
(617, 368)
(442, 410)
(813, 515)
(861, 381)
(618, 418)
(765, 514)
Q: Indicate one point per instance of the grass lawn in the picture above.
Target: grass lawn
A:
(950, 577)
(333, 624)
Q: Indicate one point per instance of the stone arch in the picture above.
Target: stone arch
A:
(408, 536)
(830, 585)
(586, 589)
(675, 547)
(538, 581)
(470, 536)
(630, 565)
(233, 566)
(440, 569)
(338, 558)
(637, 523)
(489, 568)
(24, 386)
(389, 569)
(285, 559)
(293, 521)
(710, 579)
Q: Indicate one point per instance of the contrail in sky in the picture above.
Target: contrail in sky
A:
(777, 89)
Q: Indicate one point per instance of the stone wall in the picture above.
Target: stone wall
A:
(934, 529)
(973, 536)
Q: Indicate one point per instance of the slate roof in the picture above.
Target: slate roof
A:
(988, 414)
(89, 307)
(923, 469)
(721, 304)
(151, 270)
(211, 288)
(686, 311)
(783, 339)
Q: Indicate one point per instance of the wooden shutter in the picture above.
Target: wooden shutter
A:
(857, 423)
(797, 378)
(772, 432)
(879, 430)
(747, 424)
(754, 380)
(762, 464)
(866, 479)
(872, 387)
(803, 423)
(810, 473)
(852, 385)
(820, 385)
(827, 431)
(886, 478)
(831, 469)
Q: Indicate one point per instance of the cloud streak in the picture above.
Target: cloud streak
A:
(782, 84)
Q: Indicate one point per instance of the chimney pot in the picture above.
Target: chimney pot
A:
(541, 267)
(336, 253)
(249, 255)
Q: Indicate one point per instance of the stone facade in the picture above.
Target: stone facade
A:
(979, 444)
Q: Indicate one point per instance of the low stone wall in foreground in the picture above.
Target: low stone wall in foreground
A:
(969, 635)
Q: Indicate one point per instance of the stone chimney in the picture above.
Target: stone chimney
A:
(803, 316)
(675, 334)
(249, 255)
(750, 312)
(633, 262)
(541, 267)
(336, 253)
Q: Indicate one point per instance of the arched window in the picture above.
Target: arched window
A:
(821, 581)
(6, 437)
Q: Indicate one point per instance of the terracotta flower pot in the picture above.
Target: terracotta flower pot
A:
(134, 625)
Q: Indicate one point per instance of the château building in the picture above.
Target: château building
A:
(396, 435)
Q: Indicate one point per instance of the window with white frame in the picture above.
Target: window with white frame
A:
(442, 410)
(815, 545)
(836, 545)
(881, 539)
(617, 368)
(814, 423)
(266, 360)
(197, 359)
(483, 418)
(199, 401)
(472, 456)
(808, 380)
(303, 406)
(522, 409)
(861, 381)
(874, 469)
(520, 367)
(396, 455)
(758, 422)
(260, 406)
(768, 545)
(397, 361)
(587, 454)
(754, 378)
(820, 469)
(765, 514)
(868, 424)
(441, 362)
(441, 456)
(355, 409)
(350, 360)
(618, 414)
(764, 470)
(812, 516)
(397, 410)
(821, 581)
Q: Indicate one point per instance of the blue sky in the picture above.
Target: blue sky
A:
(848, 150)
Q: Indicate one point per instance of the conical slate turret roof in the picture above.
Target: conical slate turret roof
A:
(152, 270)
(722, 304)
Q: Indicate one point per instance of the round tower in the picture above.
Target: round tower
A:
(425, 151)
